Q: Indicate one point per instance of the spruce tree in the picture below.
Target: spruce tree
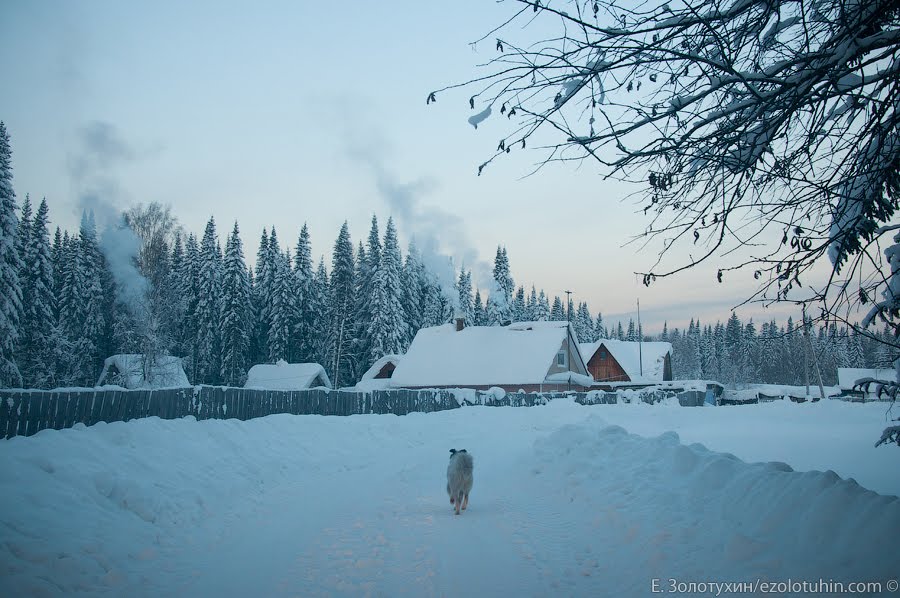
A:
(518, 311)
(435, 306)
(388, 328)
(479, 316)
(341, 361)
(557, 312)
(584, 323)
(261, 298)
(237, 324)
(413, 274)
(499, 303)
(40, 342)
(209, 309)
(319, 306)
(304, 345)
(23, 242)
(542, 308)
(56, 255)
(178, 306)
(599, 328)
(368, 261)
(531, 306)
(632, 334)
(83, 307)
(282, 307)
(465, 305)
(10, 265)
(189, 285)
(94, 306)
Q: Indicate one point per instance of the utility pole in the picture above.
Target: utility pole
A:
(809, 349)
(640, 339)
(569, 322)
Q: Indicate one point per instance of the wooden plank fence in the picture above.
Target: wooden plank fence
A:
(24, 413)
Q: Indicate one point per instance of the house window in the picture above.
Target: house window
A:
(602, 353)
(561, 358)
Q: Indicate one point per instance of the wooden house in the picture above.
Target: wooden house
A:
(529, 356)
(610, 360)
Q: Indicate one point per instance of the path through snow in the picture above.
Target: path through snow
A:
(563, 504)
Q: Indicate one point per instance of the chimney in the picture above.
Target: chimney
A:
(460, 323)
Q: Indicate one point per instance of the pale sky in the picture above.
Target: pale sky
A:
(290, 112)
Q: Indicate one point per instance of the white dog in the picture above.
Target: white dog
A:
(459, 478)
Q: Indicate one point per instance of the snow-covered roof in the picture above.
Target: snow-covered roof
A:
(287, 376)
(166, 371)
(847, 376)
(521, 353)
(376, 367)
(573, 377)
(630, 355)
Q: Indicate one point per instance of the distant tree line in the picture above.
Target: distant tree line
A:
(145, 286)
(68, 301)
(737, 353)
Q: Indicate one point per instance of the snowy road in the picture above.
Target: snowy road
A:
(563, 504)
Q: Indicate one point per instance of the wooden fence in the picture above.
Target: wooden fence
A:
(26, 412)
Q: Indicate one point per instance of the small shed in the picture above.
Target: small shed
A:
(134, 370)
(611, 360)
(383, 368)
(287, 376)
(847, 377)
(379, 376)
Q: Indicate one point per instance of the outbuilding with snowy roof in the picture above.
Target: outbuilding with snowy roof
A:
(287, 376)
(378, 376)
(611, 360)
(134, 370)
(529, 356)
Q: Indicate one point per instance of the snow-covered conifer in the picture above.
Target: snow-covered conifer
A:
(304, 319)
(282, 307)
(599, 328)
(388, 327)
(37, 356)
(557, 312)
(479, 316)
(209, 309)
(237, 324)
(464, 288)
(341, 303)
(10, 265)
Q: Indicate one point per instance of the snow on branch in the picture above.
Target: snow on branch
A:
(762, 123)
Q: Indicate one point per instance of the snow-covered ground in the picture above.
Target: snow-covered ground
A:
(565, 502)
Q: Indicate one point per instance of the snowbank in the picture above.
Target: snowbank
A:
(675, 511)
